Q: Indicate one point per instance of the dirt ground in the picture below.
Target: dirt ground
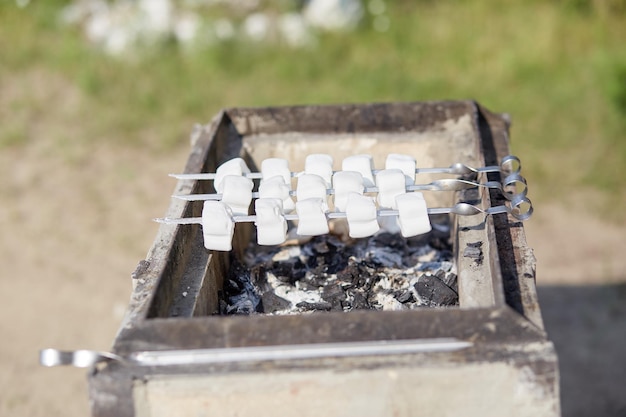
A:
(76, 222)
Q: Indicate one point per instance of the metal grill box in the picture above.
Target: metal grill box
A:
(488, 357)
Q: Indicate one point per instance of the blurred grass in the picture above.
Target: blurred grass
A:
(559, 68)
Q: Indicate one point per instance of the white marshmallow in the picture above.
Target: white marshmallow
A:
(218, 226)
(320, 164)
(311, 186)
(312, 217)
(344, 183)
(272, 167)
(413, 214)
(390, 183)
(360, 163)
(275, 187)
(361, 215)
(271, 226)
(237, 193)
(405, 163)
(235, 166)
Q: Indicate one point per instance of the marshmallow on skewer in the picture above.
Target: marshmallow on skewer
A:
(218, 226)
(361, 215)
(312, 217)
(275, 187)
(235, 166)
(390, 183)
(272, 167)
(405, 163)
(320, 164)
(360, 163)
(344, 183)
(413, 214)
(237, 193)
(271, 226)
(311, 186)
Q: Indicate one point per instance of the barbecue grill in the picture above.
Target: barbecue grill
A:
(175, 354)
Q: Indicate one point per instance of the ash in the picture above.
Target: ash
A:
(384, 272)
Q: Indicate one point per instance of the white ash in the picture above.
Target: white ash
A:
(384, 272)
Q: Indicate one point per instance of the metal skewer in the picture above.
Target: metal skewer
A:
(447, 184)
(520, 208)
(509, 165)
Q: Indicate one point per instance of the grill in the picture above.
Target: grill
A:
(489, 355)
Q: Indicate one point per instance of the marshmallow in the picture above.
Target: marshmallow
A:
(311, 186)
(271, 226)
(272, 167)
(361, 215)
(275, 187)
(237, 193)
(390, 183)
(344, 183)
(319, 164)
(312, 217)
(218, 226)
(413, 214)
(360, 163)
(405, 163)
(235, 166)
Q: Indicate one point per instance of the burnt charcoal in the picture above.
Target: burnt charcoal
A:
(321, 246)
(316, 280)
(474, 250)
(335, 295)
(272, 303)
(357, 274)
(440, 243)
(239, 292)
(258, 277)
(336, 264)
(432, 288)
(319, 306)
(359, 301)
(440, 273)
(405, 297)
(290, 270)
(242, 305)
(451, 281)
(385, 258)
(347, 276)
(389, 240)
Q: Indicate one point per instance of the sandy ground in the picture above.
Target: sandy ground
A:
(76, 222)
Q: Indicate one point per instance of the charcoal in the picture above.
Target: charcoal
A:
(433, 289)
(451, 281)
(358, 301)
(272, 303)
(334, 295)
(258, 277)
(357, 274)
(385, 257)
(240, 294)
(379, 273)
(404, 297)
(290, 270)
(440, 273)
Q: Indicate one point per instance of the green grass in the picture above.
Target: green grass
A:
(559, 68)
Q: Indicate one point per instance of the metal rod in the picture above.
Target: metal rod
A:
(521, 209)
